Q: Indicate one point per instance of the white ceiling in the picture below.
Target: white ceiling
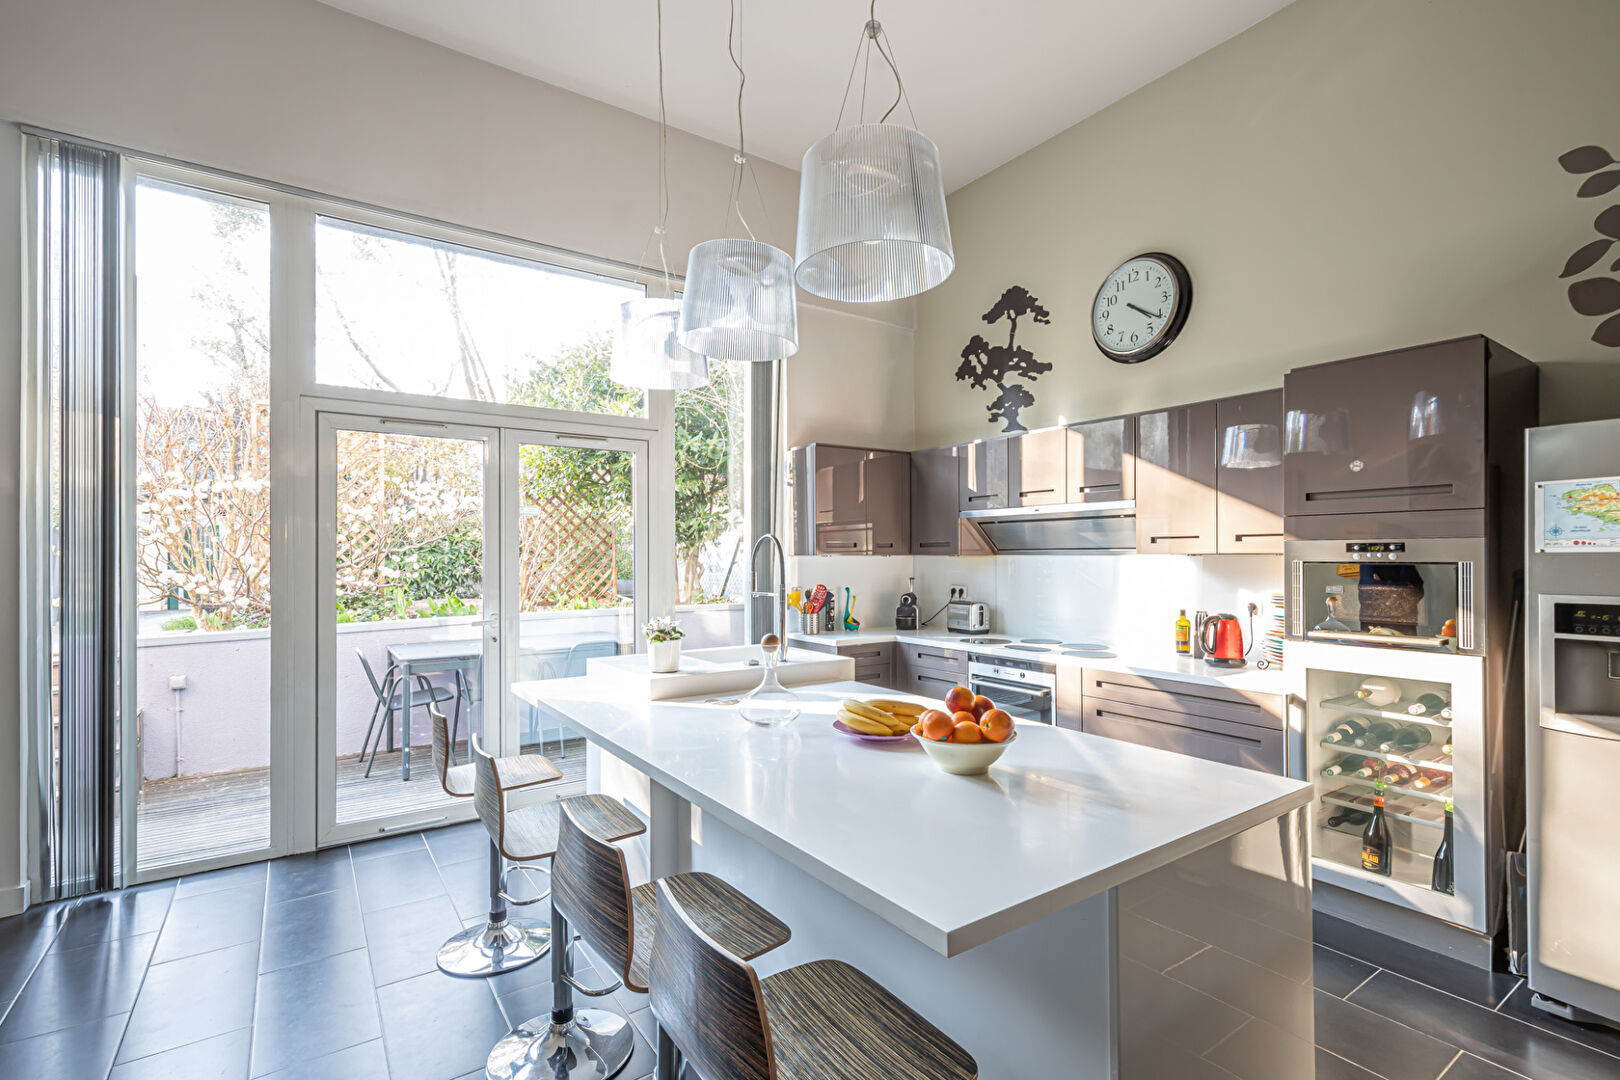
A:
(988, 78)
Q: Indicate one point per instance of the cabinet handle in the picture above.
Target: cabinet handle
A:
(1417, 491)
(972, 498)
(1156, 539)
(890, 544)
(1037, 491)
(1255, 536)
(833, 543)
(933, 543)
(1099, 487)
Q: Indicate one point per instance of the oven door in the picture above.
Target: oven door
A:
(1022, 701)
(1413, 594)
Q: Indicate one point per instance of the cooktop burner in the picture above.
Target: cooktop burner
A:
(1086, 646)
(1040, 641)
(985, 640)
(1090, 654)
(1029, 648)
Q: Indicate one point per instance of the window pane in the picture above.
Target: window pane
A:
(416, 316)
(710, 559)
(202, 524)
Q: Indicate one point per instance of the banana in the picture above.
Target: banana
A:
(871, 712)
(863, 725)
(898, 708)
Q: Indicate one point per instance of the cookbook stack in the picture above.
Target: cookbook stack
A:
(1271, 649)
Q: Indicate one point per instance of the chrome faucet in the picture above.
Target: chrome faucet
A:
(778, 594)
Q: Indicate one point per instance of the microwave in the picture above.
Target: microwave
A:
(1410, 594)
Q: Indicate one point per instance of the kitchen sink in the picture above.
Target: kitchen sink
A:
(726, 669)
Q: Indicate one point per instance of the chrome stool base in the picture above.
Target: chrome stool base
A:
(595, 1045)
(489, 949)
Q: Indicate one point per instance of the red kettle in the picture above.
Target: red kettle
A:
(1222, 638)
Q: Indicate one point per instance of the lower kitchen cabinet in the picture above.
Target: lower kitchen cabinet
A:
(929, 670)
(874, 660)
(1211, 722)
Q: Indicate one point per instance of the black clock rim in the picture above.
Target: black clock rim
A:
(1184, 290)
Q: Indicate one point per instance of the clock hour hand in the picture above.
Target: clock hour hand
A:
(1149, 314)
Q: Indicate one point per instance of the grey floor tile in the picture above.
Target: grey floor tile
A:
(459, 843)
(310, 873)
(1332, 1067)
(311, 928)
(1153, 945)
(1597, 1036)
(234, 877)
(397, 879)
(388, 845)
(314, 1009)
(74, 986)
(468, 886)
(191, 999)
(1454, 976)
(1469, 1067)
(1501, 1040)
(1155, 1008)
(224, 1057)
(124, 913)
(23, 940)
(368, 1061)
(435, 1026)
(404, 941)
(1337, 973)
(1253, 989)
(1376, 1042)
(212, 920)
(1261, 1049)
(80, 1053)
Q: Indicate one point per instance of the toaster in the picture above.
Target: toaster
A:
(967, 617)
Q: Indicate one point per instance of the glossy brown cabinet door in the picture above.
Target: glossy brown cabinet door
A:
(1037, 468)
(935, 495)
(1388, 433)
(1101, 465)
(850, 501)
(1249, 493)
(1175, 481)
(984, 475)
(886, 486)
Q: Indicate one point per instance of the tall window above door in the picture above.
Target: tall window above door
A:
(414, 315)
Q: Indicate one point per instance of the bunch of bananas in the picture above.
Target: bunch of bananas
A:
(880, 716)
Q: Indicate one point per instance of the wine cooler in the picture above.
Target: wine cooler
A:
(1410, 728)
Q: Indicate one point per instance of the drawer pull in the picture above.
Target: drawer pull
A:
(1108, 714)
(1415, 492)
(1037, 491)
(1156, 539)
(1240, 537)
(933, 543)
(974, 498)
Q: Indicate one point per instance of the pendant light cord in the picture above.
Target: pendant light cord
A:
(742, 163)
(873, 35)
(662, 228)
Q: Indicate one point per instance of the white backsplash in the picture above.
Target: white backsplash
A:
(876, 580)
(1129, 601)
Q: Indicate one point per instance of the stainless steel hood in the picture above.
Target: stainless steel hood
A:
(1096, 528)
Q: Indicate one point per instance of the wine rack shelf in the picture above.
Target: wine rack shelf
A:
(1417, 760)
(1342, 847)
(1398, 713)
(1400, 808)
(1440, 796)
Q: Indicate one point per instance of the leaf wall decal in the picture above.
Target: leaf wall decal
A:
(1585, 159)
(1595, 296)
(1608, 332)
(1614, 267)
(1599, 184)
(1608, 222)
(1586, 257)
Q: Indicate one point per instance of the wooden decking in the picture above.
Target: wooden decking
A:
(196, 817)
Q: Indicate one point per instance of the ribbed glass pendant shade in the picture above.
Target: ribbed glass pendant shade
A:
(739, 302)
(646, 353)
(872, 222)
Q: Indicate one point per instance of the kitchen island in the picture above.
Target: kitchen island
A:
(1090, 908)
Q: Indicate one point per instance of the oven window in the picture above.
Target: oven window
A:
(1020, 702)
(1400, 599)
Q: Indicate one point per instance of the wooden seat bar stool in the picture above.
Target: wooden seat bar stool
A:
(591, 896)
(824, 1020)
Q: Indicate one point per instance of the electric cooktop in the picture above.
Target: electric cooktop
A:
(985, 640)
(1028, 648)
(1040, 641)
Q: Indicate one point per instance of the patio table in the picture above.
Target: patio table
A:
(460, 656)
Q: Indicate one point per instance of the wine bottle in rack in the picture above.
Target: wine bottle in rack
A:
(1376, 846)
(1407, 738)
(1400, 774)
(1445, 713)
(1444, 879)
(1349, 763)
(1431, 780)
(1380, 732)
(1371, 769)
(1378, 692)
(1445, 749)
(1346, 730)
(1428, 705)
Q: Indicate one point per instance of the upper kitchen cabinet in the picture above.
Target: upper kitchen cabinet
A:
(1249, 482)
(1101, 461)
(1037, 468)
(851, 501)
(1175, 481)
(936, 528)
(984, 475)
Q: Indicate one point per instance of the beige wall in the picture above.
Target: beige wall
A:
(1341, 178)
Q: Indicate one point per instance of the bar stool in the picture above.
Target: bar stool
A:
(824, 1020)
(590, 891)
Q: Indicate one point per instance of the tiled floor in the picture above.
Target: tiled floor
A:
(318, 967)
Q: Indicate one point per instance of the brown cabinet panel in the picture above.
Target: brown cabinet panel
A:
(1196, 736)
(1175, 480)
(1249, 500)
(850, 501)
(886, 487)
(935, 494)
(927, 684)
(1101, 466)
(1389, 433)
(984, 475)
(1037, 468)
(1175, 695)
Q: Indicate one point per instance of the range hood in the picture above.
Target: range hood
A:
(1094, 528)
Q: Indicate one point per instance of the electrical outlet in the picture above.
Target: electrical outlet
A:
(958, 592)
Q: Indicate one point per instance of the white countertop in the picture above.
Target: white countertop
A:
(1165, 665)
(953, 861)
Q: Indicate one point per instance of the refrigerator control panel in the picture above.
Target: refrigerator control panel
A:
(1601, 620)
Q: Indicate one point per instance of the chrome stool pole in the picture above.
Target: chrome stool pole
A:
(502, 943)
(570, 1044)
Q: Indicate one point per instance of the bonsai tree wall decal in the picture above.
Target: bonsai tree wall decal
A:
(1596, 296)
(984, 363)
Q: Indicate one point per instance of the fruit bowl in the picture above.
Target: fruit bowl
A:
(964, 758)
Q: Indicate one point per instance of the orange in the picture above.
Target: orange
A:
(916, 729)
(967, 731)
(997, 725)
(981, 705)
(936, 725)
(960, 699)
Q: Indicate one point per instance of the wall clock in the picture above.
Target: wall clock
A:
(1141, 307)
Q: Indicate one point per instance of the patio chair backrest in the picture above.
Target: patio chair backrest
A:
(376, 687)
(441, 751)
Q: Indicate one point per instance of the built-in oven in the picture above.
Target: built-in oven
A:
(1026, 689)
(1415, 594)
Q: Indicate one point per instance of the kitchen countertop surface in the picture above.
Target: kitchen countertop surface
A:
(953, 861)
(1166, 665)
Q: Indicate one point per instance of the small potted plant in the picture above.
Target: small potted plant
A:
(664, 643)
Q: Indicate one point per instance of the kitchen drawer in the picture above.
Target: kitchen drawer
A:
(930, 685)
(813, 645)
(946, 663)
(1196, 736)
(867, 651)
(875, 672)
(1172, 695)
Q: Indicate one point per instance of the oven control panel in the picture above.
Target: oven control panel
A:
(1373, 550)
(1598, 620)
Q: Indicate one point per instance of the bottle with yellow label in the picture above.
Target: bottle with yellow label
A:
(1183, 633)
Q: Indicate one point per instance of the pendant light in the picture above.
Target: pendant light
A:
(872, 222)
(646, 353)
(739, 302)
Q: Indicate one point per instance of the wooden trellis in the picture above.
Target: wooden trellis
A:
(566, 554)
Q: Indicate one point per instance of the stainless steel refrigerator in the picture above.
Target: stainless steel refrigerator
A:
(1572, 713)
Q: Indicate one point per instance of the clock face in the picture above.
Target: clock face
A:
(1141, 307)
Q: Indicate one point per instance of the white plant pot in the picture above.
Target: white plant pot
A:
(664, 656)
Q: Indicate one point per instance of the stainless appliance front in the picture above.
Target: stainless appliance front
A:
(1024, 688)
(1415, 594)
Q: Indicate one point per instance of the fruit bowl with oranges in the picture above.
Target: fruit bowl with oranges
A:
(967, 736)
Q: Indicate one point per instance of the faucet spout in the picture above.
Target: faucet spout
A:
(778, 592)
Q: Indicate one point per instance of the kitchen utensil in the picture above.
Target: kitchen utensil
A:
(1222, 638)
(818, 598)
(851, 623)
